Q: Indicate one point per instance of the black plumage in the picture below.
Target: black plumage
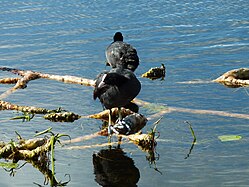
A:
(116, 88)
(121, 53)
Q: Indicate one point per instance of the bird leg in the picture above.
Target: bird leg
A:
(109, 126)
(119, 114)
(119, 141)
(118, 121)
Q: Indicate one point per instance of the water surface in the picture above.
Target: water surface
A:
(196, 40)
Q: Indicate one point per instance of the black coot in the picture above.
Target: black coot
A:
(119, 52)
(116, 88)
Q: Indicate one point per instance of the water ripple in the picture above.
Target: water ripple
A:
(196, 40)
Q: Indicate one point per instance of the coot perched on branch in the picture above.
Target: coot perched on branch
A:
(119, 52)
(116, 88)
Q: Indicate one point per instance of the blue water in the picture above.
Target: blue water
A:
(196, 40)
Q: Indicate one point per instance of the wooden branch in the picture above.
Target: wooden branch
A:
(31, 154)
(21, 83)
(62, 116)
(69, 79)
(155, 73)
(31, 75)
(25, 149)
(231, 76)
(234, 78)
(104, 115)
(9, 80)
(9, 106)
(169, 109)
(65, 78)
(34, 151)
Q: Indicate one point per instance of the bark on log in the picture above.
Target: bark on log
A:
(235, 78)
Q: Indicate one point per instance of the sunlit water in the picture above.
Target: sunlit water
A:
(196, 40)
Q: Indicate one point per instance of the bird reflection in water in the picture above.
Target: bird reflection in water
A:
(112, 167)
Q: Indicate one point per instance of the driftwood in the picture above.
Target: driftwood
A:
(56, 115)
(155, 73)
(146, 142)
(104, 115)
(62, 117)
(135, 123)
(9, 80)
(65, 78)
(31, 75)
(235, 78)
(25, 149)
(31, 149)
(4, 105)
(34, 151)
(160, 109)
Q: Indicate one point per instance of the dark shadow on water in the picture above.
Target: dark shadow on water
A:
(112, 167)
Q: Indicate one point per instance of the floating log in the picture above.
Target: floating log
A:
(24, 149)
(65, 78)
(235, 78)
(34, 151)
(62, 117)
(27, 76)
(9, 80)
(4, 105)
(57, 115)
(155, 73)
(104, 115)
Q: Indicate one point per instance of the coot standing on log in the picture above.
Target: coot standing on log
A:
(116, 88)
(119, 52)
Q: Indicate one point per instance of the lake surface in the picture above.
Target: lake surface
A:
(196, 40)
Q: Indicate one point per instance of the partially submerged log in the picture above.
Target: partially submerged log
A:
(155, 73)
(146, 142)
(24, 149)
(4, 105)
(36, 152)
(234, 78)
(21, 83)
(36, 75)
(9, 80)
(57, 115)
(130, 124)
(104, 115)
(62, 117)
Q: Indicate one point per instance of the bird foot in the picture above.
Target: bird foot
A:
(110, 130)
